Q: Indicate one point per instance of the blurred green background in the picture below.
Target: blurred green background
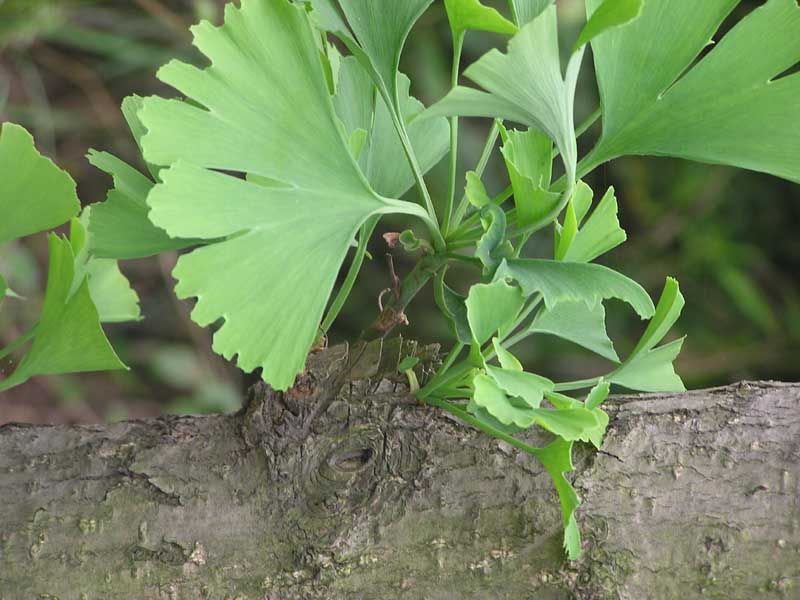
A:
(729, 236)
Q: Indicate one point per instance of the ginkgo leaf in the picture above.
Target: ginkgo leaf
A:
(113, 297)
(376, 35)
(263, 108)
(471, 14)
(130, 110)
(526, 11)
(505, 358)
(598, 235)
(476, 191)
(557, 460)
(525, 85)
(575, 322)
(36, 194)
(596, 396)
(120, 227)
(585, 282)
(528, 157)
(528, 386)
(728, 108)
(493, 247)
(360, 108)
(609, 14)
(650, 369)
(570, 424)
(492, 306)
(68, 337)
(453, 307)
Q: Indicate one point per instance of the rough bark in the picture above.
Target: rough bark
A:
(693, 495)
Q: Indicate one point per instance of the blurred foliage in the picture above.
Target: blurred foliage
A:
(730, 237)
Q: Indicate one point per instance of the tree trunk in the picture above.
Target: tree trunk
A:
(693, 495)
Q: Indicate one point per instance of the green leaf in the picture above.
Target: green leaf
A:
(359, 107)
(476, 192)
(492, 306)
(113, 297)
(527, 10)
(650, 369)
(563, 281)
(557, 460)
(263, 108)
(130, 110)
(571, 424)
(493, 246)
(36, 195)
(599, 234)
(528, 157)
(609, 14)
(728, 108)
(68, 338)
(598, 395)
(525, 85)
(575, 322)
(120, 227)
(471, 14)
(507, 360)
(377, 34)
(528, 386)
(453, 307)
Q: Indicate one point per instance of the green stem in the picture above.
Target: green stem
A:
(458, 46)
(352, 274)
(444, 378)
(486, 154)
(438, 239)
(488, 429)
(578, 384)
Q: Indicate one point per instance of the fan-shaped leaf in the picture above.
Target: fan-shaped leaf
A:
(726, 109)
(36, 194)
(68, 338)
(562, 281)
(471, 14)
(575, 322)
(263, 108)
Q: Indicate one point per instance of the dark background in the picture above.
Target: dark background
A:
(729, 236)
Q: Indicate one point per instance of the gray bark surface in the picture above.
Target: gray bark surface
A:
(693, 495)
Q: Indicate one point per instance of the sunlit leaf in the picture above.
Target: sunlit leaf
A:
(564, 281)
(471, 14)
(36, 195)
(571, 424)
(68, 338)
(525, 85)
(505, 358)
(729, 108)
(526, 11)
(475, 191)
(528, 386)
(528, 157)
(557, 459)
(376, 34)
(650, 369)
(120, 227)
(262, 108)
(600, 233)
(609, 14)
(491, 307)
(360, 108)
(113, 297)
(577, 323)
